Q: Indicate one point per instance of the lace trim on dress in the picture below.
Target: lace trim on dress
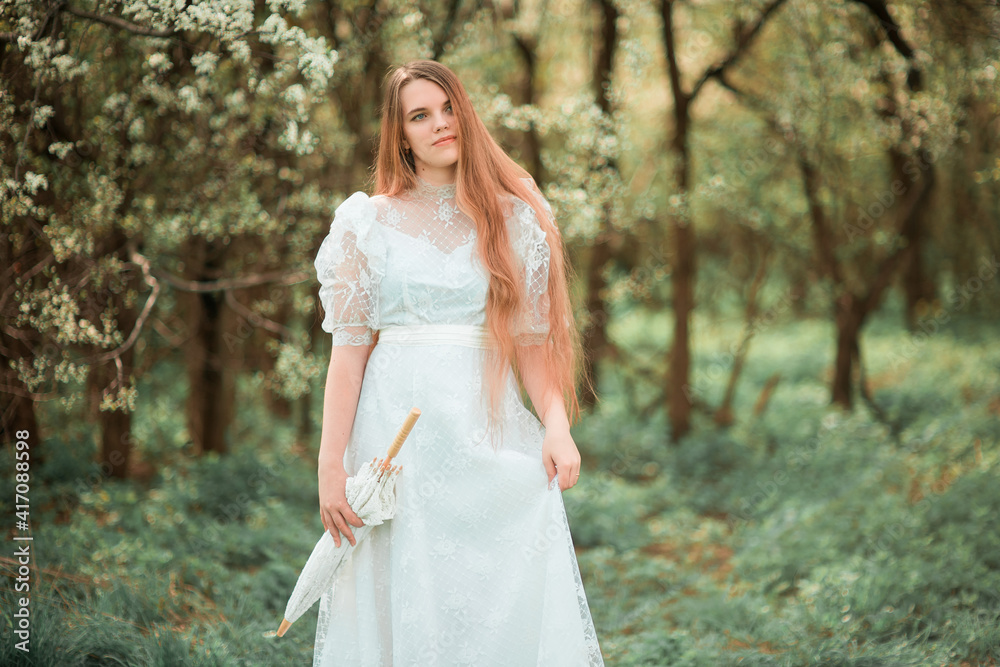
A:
(532, 250)
(594, 656)
(445, 191)
(350, 264)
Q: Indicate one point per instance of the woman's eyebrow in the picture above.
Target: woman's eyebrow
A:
(413, 111)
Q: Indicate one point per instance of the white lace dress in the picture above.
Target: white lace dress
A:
(477, 568)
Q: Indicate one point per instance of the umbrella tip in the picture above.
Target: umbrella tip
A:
(285, 624)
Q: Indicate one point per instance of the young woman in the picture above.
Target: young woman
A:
(441, 291)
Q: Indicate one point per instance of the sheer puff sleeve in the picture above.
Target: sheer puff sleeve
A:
(532, 252)
(350, 265)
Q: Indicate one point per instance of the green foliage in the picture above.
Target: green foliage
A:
(152, 578)
(131, 164)
(801, 536)
(124, 151)
(808, 535)
(610, 512)
(653, 649)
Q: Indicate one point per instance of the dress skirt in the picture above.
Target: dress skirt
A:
(477, 567)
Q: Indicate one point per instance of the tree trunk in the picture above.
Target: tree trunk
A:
(20, 262)
(116, 431)
(18, 413)
(277, 405)
(595, 335)
(917, 287)
(211, 382)
(682, 281)
(849, 319)
(682, 273)
(115, 426)
(724, 414)
(532, 150)
(106, 378)
(683, 270)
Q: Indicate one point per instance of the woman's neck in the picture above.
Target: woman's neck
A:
(438, 175)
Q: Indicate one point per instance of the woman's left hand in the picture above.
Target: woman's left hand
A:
(560, 456)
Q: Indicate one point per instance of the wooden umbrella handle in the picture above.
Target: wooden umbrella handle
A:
(411, 419)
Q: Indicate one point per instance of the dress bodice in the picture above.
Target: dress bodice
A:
(413, 259)
(436, 275)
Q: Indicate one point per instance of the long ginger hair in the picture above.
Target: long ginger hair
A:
(486, 176)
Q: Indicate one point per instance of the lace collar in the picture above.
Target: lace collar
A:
(437, 191)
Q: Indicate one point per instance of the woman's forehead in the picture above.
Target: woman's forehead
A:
(421, 94)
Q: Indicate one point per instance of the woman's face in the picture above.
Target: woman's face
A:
(430, 130)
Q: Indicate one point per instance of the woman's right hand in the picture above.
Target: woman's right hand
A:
(334, 510)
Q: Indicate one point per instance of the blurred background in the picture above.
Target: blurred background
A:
(783, 220)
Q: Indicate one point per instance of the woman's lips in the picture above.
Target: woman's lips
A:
(445, 141)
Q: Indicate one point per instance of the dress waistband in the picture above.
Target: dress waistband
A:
(467, 335)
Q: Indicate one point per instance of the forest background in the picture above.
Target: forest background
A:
(783, 217)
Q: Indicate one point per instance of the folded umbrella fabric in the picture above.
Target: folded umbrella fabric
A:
(371, 494)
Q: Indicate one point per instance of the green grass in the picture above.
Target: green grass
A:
(807, 535)
(802, 536)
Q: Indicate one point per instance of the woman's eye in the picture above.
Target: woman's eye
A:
(418, 116)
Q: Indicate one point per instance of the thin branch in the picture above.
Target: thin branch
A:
(17, 391)
(121, 23)
(724, 414)
(143, 263)
(279, 277)
(28, 130)
(743, 42)
(25, 277)
(53, 12)
(119, 378)
(666, 14)
(255, 319)
(168, 335)
(888, 267)
(821, 233)
(728, 85)
(447, 31)
(880, 11)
